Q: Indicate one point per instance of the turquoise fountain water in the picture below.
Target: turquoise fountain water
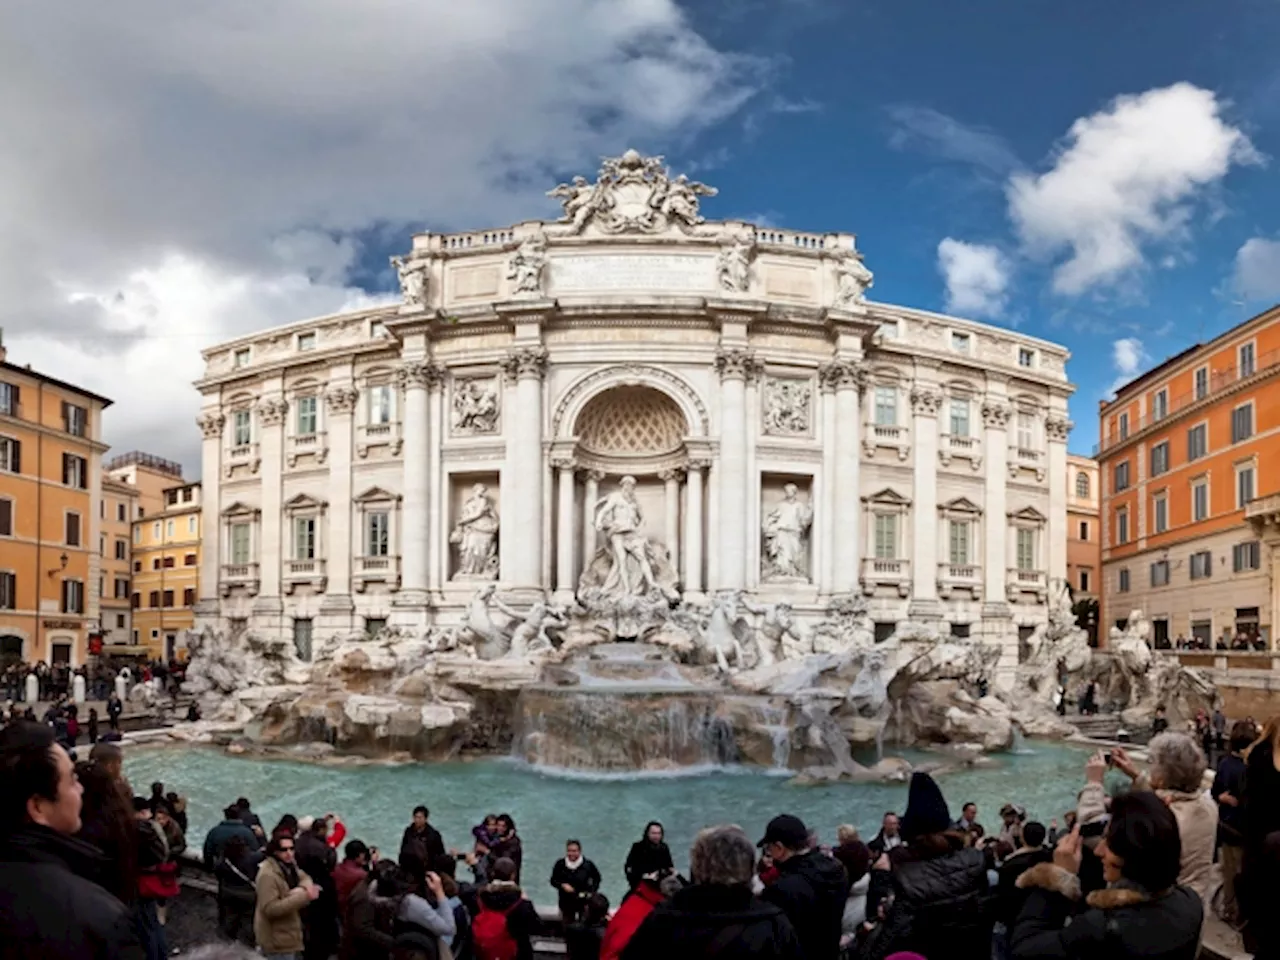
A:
(606, 813)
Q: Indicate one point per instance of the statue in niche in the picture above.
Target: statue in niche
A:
(475, 406)
(476, 537)
(630, 564)
(526, 265)
(779, 636)
(786, 406)
(853, 279)
(413, 280)
(786, 531)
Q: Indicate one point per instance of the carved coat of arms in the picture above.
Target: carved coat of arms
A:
(632, 194)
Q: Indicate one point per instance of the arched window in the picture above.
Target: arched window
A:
(1082, 485)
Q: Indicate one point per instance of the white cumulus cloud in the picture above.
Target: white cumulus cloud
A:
(977, 278)
(1127, 357)
(1125, 178)
(173, 175)
(1257, 274)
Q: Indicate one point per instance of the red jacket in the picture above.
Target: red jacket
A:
(345, 877)
(337, 834)
(626, 921)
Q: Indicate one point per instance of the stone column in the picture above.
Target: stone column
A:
(995, 565)
(564, 528)
(844, 380)
(521, 537)
(342, 541)
(734, 366)
(693, 526)
(273, 545)
(671, 517)
(211, 426)
(435, 532)
(414, 378)
(1056, 431)
(925, 401)
(1272, 643)
(590, 497)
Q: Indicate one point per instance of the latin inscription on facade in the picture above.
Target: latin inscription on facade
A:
(656, 272)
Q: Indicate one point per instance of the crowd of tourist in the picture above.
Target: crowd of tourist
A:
(88, 868)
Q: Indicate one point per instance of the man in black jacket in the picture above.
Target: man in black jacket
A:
(811, 888)
(575, 878)
(48, 908)
(421, 841)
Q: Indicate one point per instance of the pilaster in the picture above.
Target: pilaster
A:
(695, 469)
(734, 365)
(564, 547)
(1057, 430)
(414, 378)
(843, 381)
(272, 411)
(925, 403)
(336, 608)
(522, 496)
(211, 424)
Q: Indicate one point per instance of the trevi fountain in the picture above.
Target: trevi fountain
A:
(637, 491)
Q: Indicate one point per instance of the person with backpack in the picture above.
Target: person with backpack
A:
(506, 923)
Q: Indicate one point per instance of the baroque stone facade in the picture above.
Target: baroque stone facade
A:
(779, 434)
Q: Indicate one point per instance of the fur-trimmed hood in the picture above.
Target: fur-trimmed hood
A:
(1051, 877)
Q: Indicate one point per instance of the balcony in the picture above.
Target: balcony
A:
(877, 572)
(376, 570)
(876, 435)
(307, 444)
(1021, 582)
(1026, 458)
(955, 447)
(242, 455)
(370, 436)
(306, 573)
(239, 576)
(959, 576)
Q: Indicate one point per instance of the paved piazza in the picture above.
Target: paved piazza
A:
(634, 401)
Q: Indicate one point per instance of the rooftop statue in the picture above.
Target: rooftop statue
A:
(632, 194)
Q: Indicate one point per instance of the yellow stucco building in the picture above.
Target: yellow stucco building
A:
(166, 571)
(50, 516)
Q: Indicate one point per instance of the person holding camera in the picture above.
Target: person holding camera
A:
(283, 892)
(575, 878)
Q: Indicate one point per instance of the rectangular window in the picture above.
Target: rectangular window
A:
(960, 342)
(168, 530)
(1160, 458)
(75, 419)
(135, 601)
(1241, 423)
(153, 599)
(8, 591)
(241, 428)
(304, 538)
(1122, 580)
(1202, 383)
(72, 596)
(171, 497)
(886, 406)
(155, 563)
(240, 358)
(374, 626)
(6, 518)
(155, 531)
(377, 330)
(122, 549)
(1026, 548)
(306, 423)
(379, 543)
(1026, 431)
(1160, 514)
(1199, 500)
(1084, 581)
(1026, 358)
(10, 455)
(1160, 573)
(959, 542)
(191, 524)
(8, 399)
(1197, 441)
(239, 543)
(188, 597)
(1244, 486)
(121, 589)
(302, 638)
(1122, 525)
(1124, 426)
(1121, 477)
(306, 341)
(189, 560)
(119, 621)
(1160, 405)
(168, 563)
(380, 404)
(886, 531)
(1201, 565)
(122, 513)
(960, 418)
(75, 471)
(73, 530)
(168, 598)
(1246, 556)
(1248, 360)
(1084, 529)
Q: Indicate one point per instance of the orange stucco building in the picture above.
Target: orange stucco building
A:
(1084, 533)
(1189, 459)
(50, 523)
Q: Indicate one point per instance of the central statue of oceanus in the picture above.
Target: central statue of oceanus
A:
(627, 564)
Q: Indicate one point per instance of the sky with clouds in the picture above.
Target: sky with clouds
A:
(171, 176)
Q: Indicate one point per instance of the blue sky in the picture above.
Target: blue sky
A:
(1101, 175)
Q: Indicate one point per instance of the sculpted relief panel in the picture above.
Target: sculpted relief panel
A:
(787, 406)
(475, 406)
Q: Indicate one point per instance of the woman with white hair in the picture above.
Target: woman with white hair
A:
(1176, 774)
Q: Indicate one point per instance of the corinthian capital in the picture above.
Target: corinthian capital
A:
(272, 411)
(735, 363)
(995, 414)
(925, 401)
(525, 363)
(342, 399)
(211, 425)
(842, 373)
(1057, 428)
(419, 375)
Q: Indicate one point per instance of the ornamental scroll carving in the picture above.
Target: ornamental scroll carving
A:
(525, 363)
(419, 375)
(925, 401)
(842, 373)
(211, 425)
(1057, 428)
(736, 363)
(272, 411)
(995, 416)
(342, 400)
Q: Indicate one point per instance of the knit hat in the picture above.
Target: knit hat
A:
(926, 809)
